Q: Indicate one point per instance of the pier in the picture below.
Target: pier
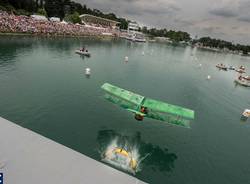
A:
(27, 158)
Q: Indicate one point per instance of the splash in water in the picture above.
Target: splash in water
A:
(122, 156)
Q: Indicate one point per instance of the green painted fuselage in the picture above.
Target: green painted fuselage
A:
(155, 109)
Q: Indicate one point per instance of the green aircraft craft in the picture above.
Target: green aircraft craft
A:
(145, 107)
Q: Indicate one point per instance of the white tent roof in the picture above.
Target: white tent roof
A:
(55, 19)
(39, 17)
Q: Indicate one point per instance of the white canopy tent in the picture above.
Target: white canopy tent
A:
(54, 19)
(39, 17)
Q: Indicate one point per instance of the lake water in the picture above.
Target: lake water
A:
(43, 88)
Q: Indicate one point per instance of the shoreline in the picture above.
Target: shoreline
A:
(58, 36)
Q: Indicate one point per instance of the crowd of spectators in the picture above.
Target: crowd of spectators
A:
(10, 23)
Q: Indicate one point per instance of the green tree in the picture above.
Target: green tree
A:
(74, 18)
(54, 8)
(144, 30)
(3, 8)
(42, 11)
(22, 12)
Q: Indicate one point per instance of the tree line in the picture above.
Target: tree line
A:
(176, 36)
(221, 44)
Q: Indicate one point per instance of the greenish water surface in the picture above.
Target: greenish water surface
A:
(43, 88)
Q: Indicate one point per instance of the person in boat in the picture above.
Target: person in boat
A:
(82, 50)
(86, 50)
(242, 67)
(240, 77)
(143, 110)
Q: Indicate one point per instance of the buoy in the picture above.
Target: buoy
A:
(87, 71)
(208, 77)
(143, 53)
(126, 59)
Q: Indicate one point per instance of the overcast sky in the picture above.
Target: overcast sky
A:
(225, 19)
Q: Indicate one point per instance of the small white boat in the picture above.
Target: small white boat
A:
(136, 37)
(244, 81)
(84, 53)
(246, 114)
(240, 71)
(221, 67)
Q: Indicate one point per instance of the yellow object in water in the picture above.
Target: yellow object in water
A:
(132, 163)
(122, 153)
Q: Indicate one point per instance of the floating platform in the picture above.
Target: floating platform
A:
(27, 158)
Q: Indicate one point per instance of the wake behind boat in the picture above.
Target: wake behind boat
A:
(83, 52)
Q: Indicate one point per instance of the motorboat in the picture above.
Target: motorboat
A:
(244, 81)
(241, 69)
(221, 67)
(245, 115)
(83, 52)
(246, 78)
(136, 37)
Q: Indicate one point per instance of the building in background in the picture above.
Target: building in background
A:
(133, 26)
(98, 21)
(133, 33)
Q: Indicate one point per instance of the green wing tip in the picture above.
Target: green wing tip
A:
(191, 114)
(105, 84)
